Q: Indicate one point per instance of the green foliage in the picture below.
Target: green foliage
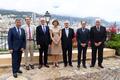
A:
(3, 49)
(114, 42)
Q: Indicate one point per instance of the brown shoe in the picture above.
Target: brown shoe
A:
(27, 68)
(56, 65)
(32, 66)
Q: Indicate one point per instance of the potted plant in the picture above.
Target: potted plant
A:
(114, 43)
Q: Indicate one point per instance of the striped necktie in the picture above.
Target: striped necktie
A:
(29, 33)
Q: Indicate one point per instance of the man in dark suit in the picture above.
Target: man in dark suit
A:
(66, 41)
(98, 37)
(82, 40)
(43, 42)
(16, 42)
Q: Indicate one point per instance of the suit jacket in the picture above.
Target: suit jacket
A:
(98, 36)
(43, 39)
(16, 42)
(33, 31)
(83, 36)
(67, 41)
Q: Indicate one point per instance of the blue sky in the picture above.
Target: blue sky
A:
(106, 9)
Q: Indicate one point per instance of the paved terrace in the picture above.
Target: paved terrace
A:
(110, 72)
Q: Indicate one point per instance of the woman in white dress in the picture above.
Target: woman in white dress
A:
(55, 33)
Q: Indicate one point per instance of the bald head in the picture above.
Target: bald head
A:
(66, 24)
(98, 22)
(42, 21)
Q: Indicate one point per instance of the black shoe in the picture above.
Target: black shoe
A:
(46, 66)
(32, 66)
(20, 72)
(84, 66)
(65, 65)
(40, 66)
(100, 66)
(91, 66)
(78, 66)
(15, 75)
(27, 68)
(71, 65)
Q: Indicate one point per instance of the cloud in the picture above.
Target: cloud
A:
(107, 9)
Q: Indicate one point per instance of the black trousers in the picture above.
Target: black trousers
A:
(16, 61)
(67, 55)
(100, 54)
(82, 52)
(43, 50)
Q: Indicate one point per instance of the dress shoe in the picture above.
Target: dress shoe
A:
(46, 66)
(78, 66)
(65, 65)
(40, 66)
(27, 68)
(20, 72)
(71, 65)
(15, 75)
(91, 66)
(100, 66)
(32, 66)
(84, 66)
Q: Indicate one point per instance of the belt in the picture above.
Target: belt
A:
(30, 39)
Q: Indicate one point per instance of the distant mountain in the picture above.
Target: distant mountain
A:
(118, 24)
(73, 20)
(14, 12)
(91, 20)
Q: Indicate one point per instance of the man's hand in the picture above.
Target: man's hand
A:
(96, 44)
(83, 44)
(99, 43)
(22, 49)
(49, 46)
(10, 51)
(39, 46)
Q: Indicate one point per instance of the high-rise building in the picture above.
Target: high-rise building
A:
(34, 17)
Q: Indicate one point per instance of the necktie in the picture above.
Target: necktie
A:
(19, 31)
(29, 33)
(44, 29)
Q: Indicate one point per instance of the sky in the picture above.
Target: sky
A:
(105, 9)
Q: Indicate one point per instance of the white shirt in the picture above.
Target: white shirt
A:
(67, 31)
(32, 31)
(19, 29)
(83, 29)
